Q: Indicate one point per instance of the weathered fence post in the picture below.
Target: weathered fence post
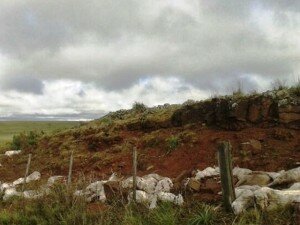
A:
(134, 167)
(225, 164)
(70, 168)
(27, 171)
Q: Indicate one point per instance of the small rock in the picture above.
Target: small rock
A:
(211, 186)
(253, 146)
(194, 184)
(150, 167)
(13, 152)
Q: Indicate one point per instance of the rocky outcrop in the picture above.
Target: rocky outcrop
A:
(265, 110)
(290, 115)
(268, 109)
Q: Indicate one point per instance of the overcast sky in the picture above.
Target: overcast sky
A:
(75, 59)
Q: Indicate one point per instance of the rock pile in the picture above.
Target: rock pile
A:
(253, 188)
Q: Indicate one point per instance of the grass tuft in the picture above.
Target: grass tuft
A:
(205, 215)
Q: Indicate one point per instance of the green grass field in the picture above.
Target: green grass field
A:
(9, 128)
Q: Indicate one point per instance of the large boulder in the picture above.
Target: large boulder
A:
(194, 184)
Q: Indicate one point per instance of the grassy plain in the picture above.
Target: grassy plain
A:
(10, 128)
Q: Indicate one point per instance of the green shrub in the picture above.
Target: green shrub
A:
(24, 140)
(16, 142)
(139, 107)
(32, 138)
(172, 143)
(295, 89)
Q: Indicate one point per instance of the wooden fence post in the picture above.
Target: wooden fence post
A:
(70, 168)
(225, 164)
(297, 213)
(134, 168)
(27, 171)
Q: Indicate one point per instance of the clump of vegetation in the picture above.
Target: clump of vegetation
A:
(189, 102)
(139, 107)
(151, 140)
(188, 137)
(172, 143)
(25, 140)
(238, 92)
(107, 121)
(279, 215)
(295, 89)
(205, 215)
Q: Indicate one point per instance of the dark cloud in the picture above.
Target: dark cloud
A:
(22, 83)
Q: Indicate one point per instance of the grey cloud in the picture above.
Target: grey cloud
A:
(22, 83)
(279, 5)
(221, 41)
(113, 44)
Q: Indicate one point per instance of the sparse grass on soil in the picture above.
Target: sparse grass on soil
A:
(10, 128)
